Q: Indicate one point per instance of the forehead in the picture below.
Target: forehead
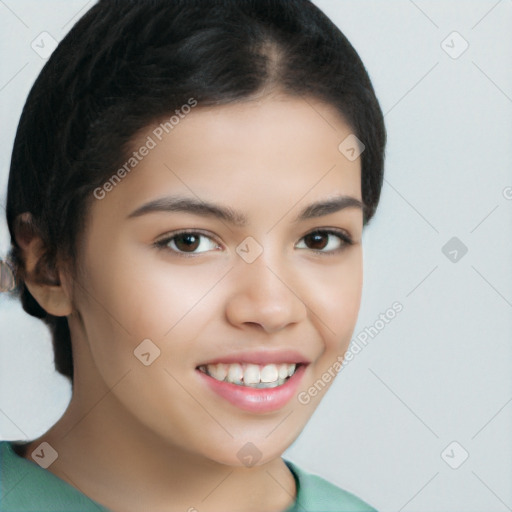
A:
(262, 153)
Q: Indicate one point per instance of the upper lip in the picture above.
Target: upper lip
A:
(262, 357)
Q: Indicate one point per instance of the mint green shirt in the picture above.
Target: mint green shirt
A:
(27, 487)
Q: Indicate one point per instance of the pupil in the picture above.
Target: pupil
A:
(188, 244)
(316, 239)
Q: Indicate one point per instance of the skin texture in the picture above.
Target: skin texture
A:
(149, 436)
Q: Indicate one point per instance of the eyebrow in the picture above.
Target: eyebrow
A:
(227, 214)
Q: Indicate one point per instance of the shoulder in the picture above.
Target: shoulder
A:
(316, 494)
(24, 485)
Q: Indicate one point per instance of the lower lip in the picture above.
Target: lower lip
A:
(256, 400)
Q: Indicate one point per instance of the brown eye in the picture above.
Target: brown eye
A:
(322, 239)
(187, 242)
(317, 241)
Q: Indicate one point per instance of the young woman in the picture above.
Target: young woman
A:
(188, 188)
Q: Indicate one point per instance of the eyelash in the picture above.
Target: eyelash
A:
(345, 238)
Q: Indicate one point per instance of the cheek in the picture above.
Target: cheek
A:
(172, 301)
(337, 301)
(162, 301)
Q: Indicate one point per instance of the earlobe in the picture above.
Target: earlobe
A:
(41, 277)
(52, 299)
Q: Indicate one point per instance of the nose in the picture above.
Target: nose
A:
(264, 296)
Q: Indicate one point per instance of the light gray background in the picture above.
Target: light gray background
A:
(440, 371)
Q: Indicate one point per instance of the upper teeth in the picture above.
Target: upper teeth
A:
(251, 375)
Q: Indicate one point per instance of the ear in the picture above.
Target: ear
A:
(41, 277)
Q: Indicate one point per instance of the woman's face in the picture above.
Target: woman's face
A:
(157, 308)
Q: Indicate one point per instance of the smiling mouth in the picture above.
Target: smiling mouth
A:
(251, 375)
